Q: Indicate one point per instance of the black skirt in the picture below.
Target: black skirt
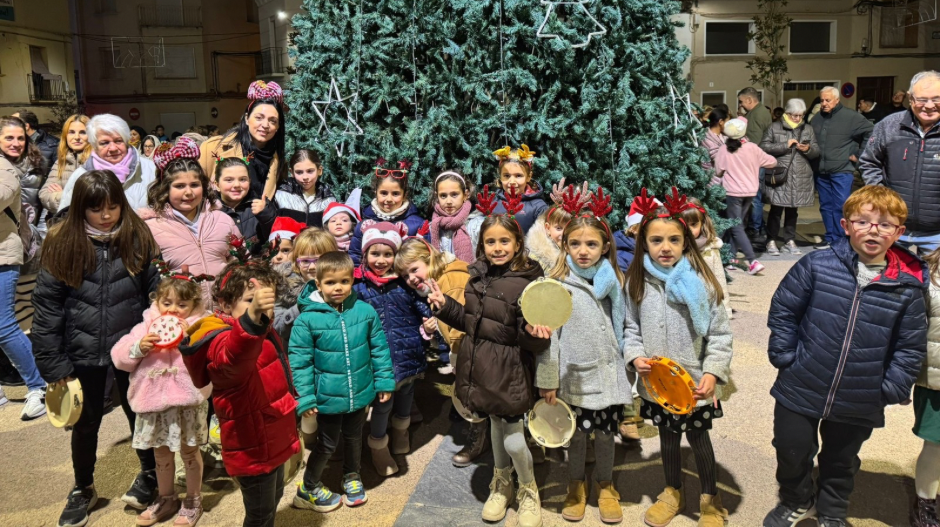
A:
(700, 419)
(590, 421)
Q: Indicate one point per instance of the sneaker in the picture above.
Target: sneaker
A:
(446, 369)
(784, 515)
(190, 512)
(822, 245)
(3, 398)
(924, 513)
(355, 493)
(736, 264)
(755, 267)
(143, 491)
(159, 511)
(831, 522)
(320, 499)
(80, 501)
(772, 248)
(35, 405)
(791, 248)
(215, 431)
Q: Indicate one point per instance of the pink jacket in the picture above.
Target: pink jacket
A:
(740, 171)
(160, 379)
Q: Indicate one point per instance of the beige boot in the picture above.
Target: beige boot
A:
(401, 443)
(712, 513)
(575, 502)
(494, 509)
(382, 459)
(608, 502)
(667, 506)
(530, 506)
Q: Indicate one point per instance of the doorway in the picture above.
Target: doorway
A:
(880, 88)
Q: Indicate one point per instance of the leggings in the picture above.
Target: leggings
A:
(604, 454)
(166, 470)
(927, 474)
(701, 444)
(510, 449)
(400, 401)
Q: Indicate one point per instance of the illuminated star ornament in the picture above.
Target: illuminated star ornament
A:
(333, 97)
(599, 29)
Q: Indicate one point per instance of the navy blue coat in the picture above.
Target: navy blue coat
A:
(401, 311)
(533, 204)
(844, 353)
(411, 218)
(626, 245)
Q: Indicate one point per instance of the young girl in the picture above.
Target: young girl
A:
(403, 313)
(391, 204)
(303, 197)
(584, 366)
(515, 174)
(339, 219)
(254, 217)
(92, 289)
(455, 224)
(171, 412)
(703, 231)
(497, 335)
(669, 285)
(926, 417)
(302, 269)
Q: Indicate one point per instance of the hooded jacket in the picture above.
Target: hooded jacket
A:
(251, 225)
(626, 246)
(48, 145)
(841, 133)
(410, 219)
(540, 245)
(533, 205)
(453, 283)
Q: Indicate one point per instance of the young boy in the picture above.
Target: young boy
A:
(848, 335)
(338, 341)
(253, 394)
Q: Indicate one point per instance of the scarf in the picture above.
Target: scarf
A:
(101, 236)
(123, 169)
(462, 246)
(684, 286)
(389, 216)
(606, 285)
(343, 241)
(258, 168)
(193, 225)
(701, 241)
(791, 124)
(365, 273)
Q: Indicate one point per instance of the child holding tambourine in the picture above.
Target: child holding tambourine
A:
(669, 285)
(926, 417)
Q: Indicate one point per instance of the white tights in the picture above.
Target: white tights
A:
(927, 474)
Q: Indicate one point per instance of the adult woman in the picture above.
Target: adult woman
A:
(259, 135)
(17, 156)
(137, 136)
(74, 150)
(714, 137)
(110, 137)
(793, 143)
(149, 146)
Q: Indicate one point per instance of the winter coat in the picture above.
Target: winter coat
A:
(585, 362)
(453, 283)
(840, 133)
(292, 203)
(740, 171)
(285, 307)
(533, 205)
(473, 223)
(401, 311)
(495, 365)
(711, 253)
(712, 142)
(930, 371)
(228, 146)
(252, 390)
(159, 380)
(49, 198)
(251, 225)
(758, 121)
(30, 183)
(11, 246)
(798, 190)
(135, 186)
(626, 246)
(340, 360)
(79, 327)
(410, 218)
(844, 352)
(900, 159)
(658, 327)
(541, 247)
(48, 145)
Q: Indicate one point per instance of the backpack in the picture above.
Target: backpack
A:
(29, 233)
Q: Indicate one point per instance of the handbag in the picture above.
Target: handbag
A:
(776, 176)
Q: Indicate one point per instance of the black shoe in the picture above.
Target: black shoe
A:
(80, 501)
(822, 245)
(784, 515)
(831, 522)
(143, 491)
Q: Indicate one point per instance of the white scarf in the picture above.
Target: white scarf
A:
(389, 216)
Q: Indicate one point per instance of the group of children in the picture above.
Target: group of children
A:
(338, 317)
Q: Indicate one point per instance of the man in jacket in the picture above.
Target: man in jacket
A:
(841, 134)
(47, 144)
(758, 121)
(904, 155)
(871, 110)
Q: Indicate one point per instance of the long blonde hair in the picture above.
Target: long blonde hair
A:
(64, 142)
(586, 221)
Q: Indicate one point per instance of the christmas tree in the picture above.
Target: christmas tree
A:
(595, 87)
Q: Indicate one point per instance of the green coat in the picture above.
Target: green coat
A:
(339, 360)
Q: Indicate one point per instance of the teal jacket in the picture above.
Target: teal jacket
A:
(339, 360)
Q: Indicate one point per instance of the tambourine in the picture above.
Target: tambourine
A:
(64, 403)
(170, 329)
(670, 385)
(546, 302)
(551, 426)
(462, 410)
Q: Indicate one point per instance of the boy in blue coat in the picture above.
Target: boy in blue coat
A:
(848, 335)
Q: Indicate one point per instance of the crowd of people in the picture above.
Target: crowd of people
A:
(301, 311)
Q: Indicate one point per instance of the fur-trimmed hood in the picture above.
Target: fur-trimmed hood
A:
(541, 247)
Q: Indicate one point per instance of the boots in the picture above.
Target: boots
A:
(190, 512)
(712, 513)
(401, 443)
(382, 459)
(575, 502)
(924, 513)
(667, 506)
(530, 506)
(629, 430)
(500, 498)
(164, 508)
(478, 442)
(608, 502)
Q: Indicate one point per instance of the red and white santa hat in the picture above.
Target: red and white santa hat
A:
(286, 228)
(383, 232)
(635, 217)
(351, 207)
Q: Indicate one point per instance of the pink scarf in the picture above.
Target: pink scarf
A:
(122, 170)
(364, 273)
(463, 248)
(343, 241)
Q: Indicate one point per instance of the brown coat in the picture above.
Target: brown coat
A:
(50, 198)
(227, 146)
(11, 247)
(495, 365)
(453, 283)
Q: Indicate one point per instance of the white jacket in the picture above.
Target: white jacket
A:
(930, 371)
(135, 186)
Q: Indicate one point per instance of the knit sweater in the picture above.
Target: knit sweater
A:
(740, 171)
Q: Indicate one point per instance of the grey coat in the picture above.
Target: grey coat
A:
(798, 189)
(659, 328)
(585, 363)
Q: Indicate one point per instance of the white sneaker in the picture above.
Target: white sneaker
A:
(792, 248)
(3, 397)
(35, 405)
(772, 248)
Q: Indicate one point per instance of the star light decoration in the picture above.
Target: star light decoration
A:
(599, 31)
(333, 96)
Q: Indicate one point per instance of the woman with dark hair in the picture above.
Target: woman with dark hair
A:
(303, 196)
(259, 137)
(714, 137)
(137, 137)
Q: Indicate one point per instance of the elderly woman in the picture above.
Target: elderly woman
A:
(74, 150)
(110, 136)
(793, 143)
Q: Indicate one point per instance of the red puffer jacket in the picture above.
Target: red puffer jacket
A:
(253, 392)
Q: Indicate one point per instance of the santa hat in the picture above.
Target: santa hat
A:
(286, 228)
(383, 232)
(635, 217)
(351, 207)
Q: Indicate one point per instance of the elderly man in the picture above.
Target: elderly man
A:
(758, 121)
(841, 134)
(47, 144)
(904, 154)
(110, 136)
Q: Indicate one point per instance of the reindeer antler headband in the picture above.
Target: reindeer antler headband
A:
(487, 203)
(246, 159)
(674, 204)
(240, 249)
(182, 274)
(597, 203)
(522, 155)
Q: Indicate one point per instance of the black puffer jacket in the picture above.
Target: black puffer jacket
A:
(899, 158)
(78, 327)
(249, 224)
(844, 353)
(49, 146)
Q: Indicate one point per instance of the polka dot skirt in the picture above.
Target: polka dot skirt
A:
(605, 420)
(700, 419)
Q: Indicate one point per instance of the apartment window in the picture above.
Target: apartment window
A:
(180, 63)
(812, 36)
(899, 27)
(713, 98)
(728, 38)
(106, 6)
(107, 60)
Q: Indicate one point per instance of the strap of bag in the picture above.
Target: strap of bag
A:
(9, 212)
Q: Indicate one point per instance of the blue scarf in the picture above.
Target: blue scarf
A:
(606, 285)
(684, 286)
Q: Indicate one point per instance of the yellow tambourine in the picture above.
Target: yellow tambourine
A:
(546, 302)
(64, 403)
(670, 385)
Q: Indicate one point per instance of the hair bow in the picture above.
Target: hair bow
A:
(185, 148)
(260, 91)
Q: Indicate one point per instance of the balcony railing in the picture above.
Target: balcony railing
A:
(46, 87)
(270, 61)
(168, 16)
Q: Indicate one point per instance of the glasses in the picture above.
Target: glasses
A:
(884, 228)
(921, 101)
(306, 262)
(386, 172)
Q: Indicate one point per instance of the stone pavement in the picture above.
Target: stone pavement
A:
(35, 469)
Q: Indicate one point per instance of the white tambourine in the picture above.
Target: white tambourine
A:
(462, 410)
(551, 426)
(546, 302)
(64, 403)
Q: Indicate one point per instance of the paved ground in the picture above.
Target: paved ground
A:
(35, 474)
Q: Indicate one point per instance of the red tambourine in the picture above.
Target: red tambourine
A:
(171, 330)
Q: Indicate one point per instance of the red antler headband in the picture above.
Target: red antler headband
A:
(597, 203)
(675, 205)
(240, 249)
(182, 274)
(486, 203)
(246, 159)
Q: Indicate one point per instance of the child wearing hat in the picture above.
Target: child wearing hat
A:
(285, 229)
(340, 219)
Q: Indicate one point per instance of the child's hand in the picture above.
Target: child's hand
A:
(642, 365)
(384, 396)
(430, 325)
(548, 395)
(262, 303)
(311, 412)
(436, 298)
(146, 344)
(539, 332)
(258, 205)
(706, 388)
